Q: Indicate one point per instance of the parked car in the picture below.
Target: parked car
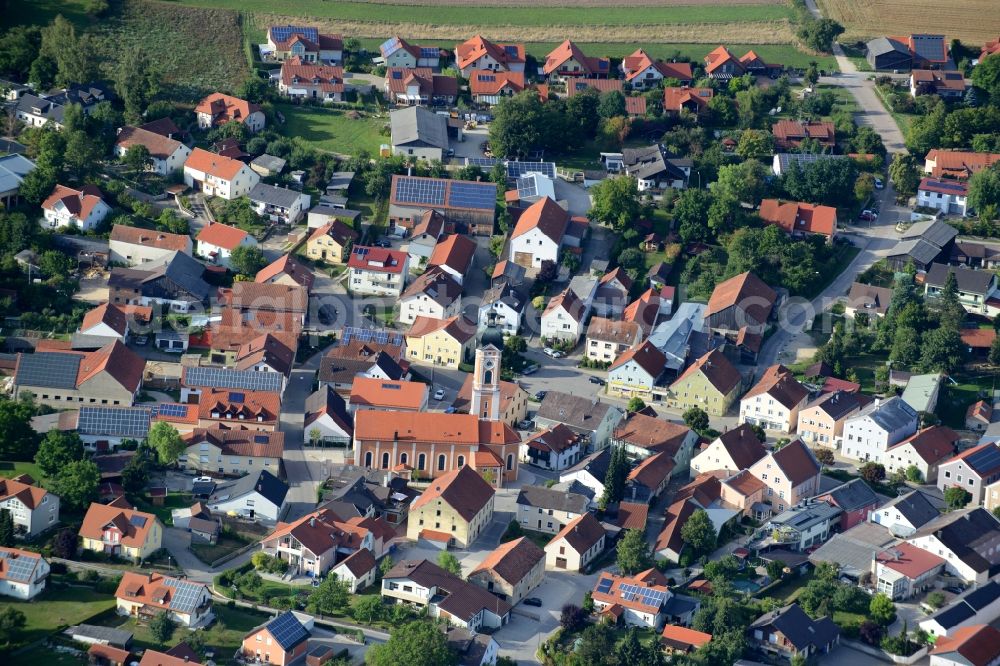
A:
(549, 351)
(879, 184)
(868, 215)
(439, 394)
(526, 425)
(541, 395)
(533, 601)
(530, 369)
(203, 479)
(597, 380)
(381, 242)
(327, 314)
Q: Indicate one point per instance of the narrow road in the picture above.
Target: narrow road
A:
(873, 112)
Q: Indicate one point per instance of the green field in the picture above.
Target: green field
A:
(523, 16)
(58, 607)
(333, 130)
(785, 54)
(41, 12)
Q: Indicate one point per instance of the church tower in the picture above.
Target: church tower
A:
(486, 384)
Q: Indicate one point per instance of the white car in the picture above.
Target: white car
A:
(439, 394)
(552, 353)
(203, 479)
(879, 184)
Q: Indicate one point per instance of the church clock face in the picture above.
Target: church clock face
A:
(489, 364)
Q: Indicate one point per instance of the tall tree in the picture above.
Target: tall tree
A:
(332, 596)
(633, 553)
(418, 643)
(984, 188)
(449, 563)
(614, 478)
(75, 56)
(247, 260)
(57, 450)
(517, 125)
(136, 81)
(699, 533)
(77, 483)
(6, 528)
(161, 627)
(615, 202)
(12, 623)
(166, 441)
(18, 49)
(19, 439)
(612, 105)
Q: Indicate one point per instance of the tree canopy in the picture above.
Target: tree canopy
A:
(418, 643)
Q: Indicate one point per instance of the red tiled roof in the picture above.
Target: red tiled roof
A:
(938, 79)
(621, 592)
(908, 560)
(488, 82)
(581, 533)
(79, 203)
(795, 216)
(577, 86)
(150, 238)
(222, 235)
(718, 57)
(133, 532)
(779, 383)
(646, 356)
(290, 266)
(224, 108)
(683, 638)
(568, 50)
(231, 405)
(978, 644)
(652, 471)
(338, 230)
(106, 313)
(635, 106)
(569, 301)
(30, 495)
(324, 77)
(468, 52)
(375, 392)
(981, 411)
(431, 427)
(796, 461)
(959, 163)
(457, 327)
(639, 61)
(633, 515)
(224, 168)
(789, 133)
(463, 489)
(120, 362)
(398, 79)
(378, 259)
(652, 433)
(455, 251)
(513, 560)
(675, 98)
(746, 291)
(545, 215)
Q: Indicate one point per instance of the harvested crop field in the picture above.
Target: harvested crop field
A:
(972, 21)
(197, 50)
(772, 32)
(580, 3)
(470, 14)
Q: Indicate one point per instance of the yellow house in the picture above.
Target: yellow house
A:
(331, 243)
(454, 509)
(234, 452)
(118, 529)
(441, 342)
(711, 383)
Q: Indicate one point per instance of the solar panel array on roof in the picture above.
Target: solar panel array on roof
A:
(18, 567)
(526, 187)
(428, 191)
(429, 52)
(237, 398)
(604, 585)
(376, 335)
(389, 46)
(489, 78)
(138, 521)
(130, 422)
(473, 195)
(516, 169)
(170, 409)
(484, 162)
(260, 439)
(984, 460)
(282, 33)
(186, 594)
(224, 378)
(287, 630)
(48, 369)
(929, 47)
(396, 74)
(647, 596)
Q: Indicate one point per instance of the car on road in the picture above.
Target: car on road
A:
(533, 601)
(526, 425)
(439, 394)
(381, 242)
(541, 395)
(327, 314)
(879, 184)
(552, 353)
(868, 215)
(530, 369)
(203, 479)
(596, 380)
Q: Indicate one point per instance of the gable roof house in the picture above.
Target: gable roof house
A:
(555, 448)
(258, 497)
(800, 219)
(642, 600)
(306, 43)
(643, 436)
(791, 474)
(972, 470)
(37, 110)
(864, 298)
(143, 596)
(107, 321)
(741, 301)
(926, 450)
(722, 65)
(608, 338)
(279, 641)
(233, 452)
(83, 209)
(775, 401)
(956, 164)
(948, 196)
(454, 254)
(856, 499)
(945, 84)
(397, 52)
(377, 271)
(166, 155)
(594, 420)
(967, 540)
(112, 375)
(121, 531)
(502, 306)
(548, 510)
(32, 508)
(905, 514)
(588, 475)
(22, 573)
(215, 175)
(903, 570)
(789, 134)
(301, 80)
(732, 451)
(923, 243)
(538, 234)
(278, 204)
(576, 545)
(134, 245)
(655, 168)
(286, 270)
(419, 86)
(567, 61)
(330, 242)
(908, 52)
(478, 53)
(975, 606)
(876, 427)
(511, 571)
(789, 632)
(218, 109)
(456, 507)
(642, 72)
(327, 419)
(976, 645)
(13, 169)
(712, 383)
(419, 133)
(977, 290)
(564, 317)
(468, 205)
(174, 281)
(677, 99)
(445, 595)
(317, 542)
(217, 241)
(435, 294)
(488, 87)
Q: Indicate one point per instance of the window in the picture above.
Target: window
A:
(461, 461)
(385, 460)
(421, 461)
(403, 458)
(441, 462)
(368, 459)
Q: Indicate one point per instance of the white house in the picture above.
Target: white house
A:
(435, 294)
(506, 305)
(976, 644)
(134, 245)
(219, 109)
(357, 570)
(875, 428)
(258, 497)
(106, 321)
(968, 541)
(948, 196)
(66, 207)
(279, 204)
(731, 452)
(327, 418)
(972, 470)
(216, 242)
(578, 544)
(775, 401)
(538, 234)
(589, 472)
(904, 515)
(376, 271)
(22, 573)
(977, 606)
(564, 317)
(166, 155)
(218, 176)
(926, 450)
(556, 448)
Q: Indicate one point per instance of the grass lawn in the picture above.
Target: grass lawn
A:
(477, 15)
(224, 636)
(9, 470)
(333, 129)
(539, 538)
(956, 398)
(788, 590)
(41, 12)
(210, 552)
(44, 655)
(171, 501)
(58, 607)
